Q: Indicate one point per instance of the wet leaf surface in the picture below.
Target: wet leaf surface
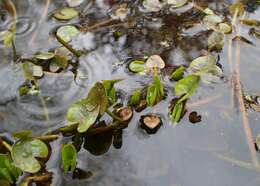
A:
(25, 152)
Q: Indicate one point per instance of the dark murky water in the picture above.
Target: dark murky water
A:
(185, 155)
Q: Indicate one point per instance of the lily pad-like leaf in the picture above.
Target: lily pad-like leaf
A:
(67, 32)
(69, 157)
(44, 55)
(25, 152)
(66, 14)
(137, 66)
(203, 64)
(216, 41)
(86, 111)
(8, 171)
(187, 86)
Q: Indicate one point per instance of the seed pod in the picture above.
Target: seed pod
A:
(125, 113)
(150, 123)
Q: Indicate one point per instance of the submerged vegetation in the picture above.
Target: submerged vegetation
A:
(98, 120)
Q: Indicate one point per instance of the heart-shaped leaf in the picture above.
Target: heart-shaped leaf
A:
(25, 152)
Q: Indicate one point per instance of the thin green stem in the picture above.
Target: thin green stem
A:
(111, 114)
(66, 45)
(7, 146)
(14, 51)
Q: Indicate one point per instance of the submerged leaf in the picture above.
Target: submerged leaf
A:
(25, 152)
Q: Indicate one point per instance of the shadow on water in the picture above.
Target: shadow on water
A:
(175, 156)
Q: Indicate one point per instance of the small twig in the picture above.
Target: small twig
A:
(203, 101)
(240, 97)
(97, 25)
(239, 163)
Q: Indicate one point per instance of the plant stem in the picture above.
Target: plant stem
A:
(14, 51)
(111, 114)
(7, 146)
(240, 97)
(66, 45)
(100, 130)
(51, 137)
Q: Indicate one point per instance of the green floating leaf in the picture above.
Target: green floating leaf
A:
(8, 171)
(66, 14)
(203, 64)
(67, 32)
(187, 86)
(177, 74)
(69, 157)
(136, 98)
(137, 66)
(86, 111)
(44, 55)
(25, 152)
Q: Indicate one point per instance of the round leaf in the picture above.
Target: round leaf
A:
(66, 33)
(66, 13)
(25, 152)
(137, 66)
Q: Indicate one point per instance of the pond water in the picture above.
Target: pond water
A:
(183, 155)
